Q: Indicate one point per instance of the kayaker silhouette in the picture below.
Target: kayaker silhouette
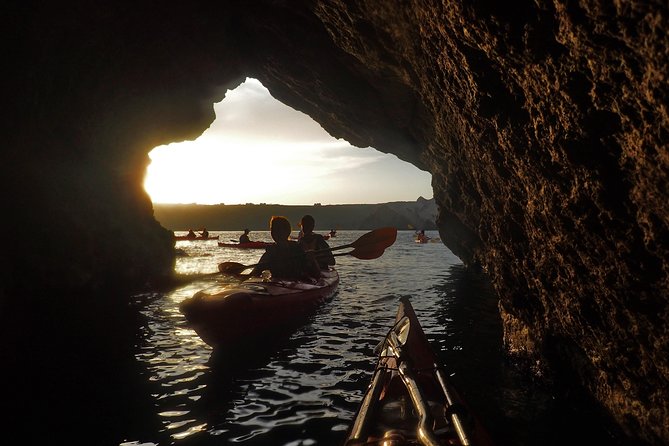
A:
(421, 237)
(191, 234)
(244, 238)
(315, 242)
(286, 259)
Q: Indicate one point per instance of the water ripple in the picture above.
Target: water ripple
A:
(307, 389)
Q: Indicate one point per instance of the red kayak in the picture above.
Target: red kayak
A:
(199, 237)
(248, 245)
(256, 311)
(410, 401)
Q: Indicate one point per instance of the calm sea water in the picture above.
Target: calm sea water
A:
(306, 389)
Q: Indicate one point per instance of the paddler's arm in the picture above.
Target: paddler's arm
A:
(313, 269)
(262, 265)
(327, 255)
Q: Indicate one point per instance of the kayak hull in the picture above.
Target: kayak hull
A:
(184, 237)
(409, 401)
(248, 245)
(256, 311)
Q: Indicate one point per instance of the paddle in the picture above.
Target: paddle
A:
(367, 247)
(363, 255)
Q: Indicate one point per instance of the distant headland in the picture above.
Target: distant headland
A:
(419, 214)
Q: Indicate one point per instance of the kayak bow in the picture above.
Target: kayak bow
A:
(409, 401)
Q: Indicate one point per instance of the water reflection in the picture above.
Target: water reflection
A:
(306, 388)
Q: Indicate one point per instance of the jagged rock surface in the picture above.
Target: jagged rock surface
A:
(544, 125)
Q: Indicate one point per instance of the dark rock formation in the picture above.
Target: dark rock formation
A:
(544, 125)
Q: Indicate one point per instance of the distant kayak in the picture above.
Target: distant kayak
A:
(425, 239)
(199, 237)
(325, 237)
(248, 245)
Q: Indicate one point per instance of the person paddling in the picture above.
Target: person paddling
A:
(315, 242)
(286, 259)
(244, 238)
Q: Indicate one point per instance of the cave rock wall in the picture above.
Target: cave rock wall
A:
(544, 126)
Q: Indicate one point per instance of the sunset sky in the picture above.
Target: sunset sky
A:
(259, 150)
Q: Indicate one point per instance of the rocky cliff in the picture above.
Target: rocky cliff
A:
(544, 126)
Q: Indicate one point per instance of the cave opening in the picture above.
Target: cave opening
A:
(259, 150)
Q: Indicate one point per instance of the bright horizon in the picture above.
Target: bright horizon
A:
(259, 150)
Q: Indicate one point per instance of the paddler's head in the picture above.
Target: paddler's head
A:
(307, 223)
(279, 228)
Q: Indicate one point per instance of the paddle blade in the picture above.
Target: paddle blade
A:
(231, 268)
(364, 253)
(367, 254)
(378, 239)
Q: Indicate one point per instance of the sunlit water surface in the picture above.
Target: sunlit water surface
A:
(306, 389)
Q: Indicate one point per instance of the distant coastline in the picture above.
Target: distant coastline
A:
(419, 214)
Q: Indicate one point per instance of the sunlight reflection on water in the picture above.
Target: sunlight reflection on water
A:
(322, 370)
(307, 389)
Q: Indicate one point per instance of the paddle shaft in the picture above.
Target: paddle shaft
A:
(320, 251)
(382, 238)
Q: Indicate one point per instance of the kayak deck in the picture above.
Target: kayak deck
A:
(409, 401)
(254, 310)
